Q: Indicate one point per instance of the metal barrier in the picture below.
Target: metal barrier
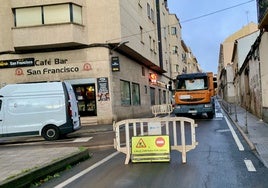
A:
(123, 133)
(162, 109)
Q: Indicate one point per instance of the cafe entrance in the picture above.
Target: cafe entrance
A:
(86, 96)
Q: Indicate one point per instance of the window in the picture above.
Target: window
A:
(165, 32)
(28, 16)
(48, 14)
(139, 3)
(56, 14)
(174, 49)
(152, 15)
(154, 45)
(143, 71)
(136, 94)
(151, 45)
(183, 57)
(164, 97)
(177, 68)
(0, 104)
(173, 31)
(192, 84)
(141, 34)
(125, 93)
(148, 11)
(77, 14)
(152, 94)
(159, 96)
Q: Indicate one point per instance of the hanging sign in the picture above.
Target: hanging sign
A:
(115, 64)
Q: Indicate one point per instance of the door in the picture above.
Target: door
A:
(73, 105)
(1, 117)
(86, 96)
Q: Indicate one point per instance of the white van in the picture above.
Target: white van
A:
(47, 109)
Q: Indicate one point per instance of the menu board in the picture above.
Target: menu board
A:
(103, 89)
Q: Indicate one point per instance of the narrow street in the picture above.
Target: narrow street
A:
(220, 160)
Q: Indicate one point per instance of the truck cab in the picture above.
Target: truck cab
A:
(194, 94)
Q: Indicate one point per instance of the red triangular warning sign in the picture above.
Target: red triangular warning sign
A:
(141, 144)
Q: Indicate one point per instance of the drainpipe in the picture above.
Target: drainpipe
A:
(159, 35)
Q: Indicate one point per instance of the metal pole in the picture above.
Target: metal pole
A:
(235, 114)
(246, 121)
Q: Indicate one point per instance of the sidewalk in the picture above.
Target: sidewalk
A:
(254, 130)
(21, 165)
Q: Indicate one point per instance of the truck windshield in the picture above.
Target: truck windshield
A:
(192, 84)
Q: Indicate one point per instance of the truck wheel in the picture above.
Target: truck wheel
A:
(210, 115)
(50, 132)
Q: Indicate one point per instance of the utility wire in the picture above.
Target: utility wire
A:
(221, 10)
(184, 21)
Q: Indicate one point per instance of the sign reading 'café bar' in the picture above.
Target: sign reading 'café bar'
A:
(26, 62)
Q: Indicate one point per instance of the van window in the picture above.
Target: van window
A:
(0, 104)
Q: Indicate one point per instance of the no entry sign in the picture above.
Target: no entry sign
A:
(160, 142)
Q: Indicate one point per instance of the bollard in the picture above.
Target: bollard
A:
(236, 120)
(246, 121)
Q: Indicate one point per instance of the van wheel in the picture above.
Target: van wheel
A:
(50, 132)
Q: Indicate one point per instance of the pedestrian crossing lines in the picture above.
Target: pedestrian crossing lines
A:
(82, 139)
(218, 115)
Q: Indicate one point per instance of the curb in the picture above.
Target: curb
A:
(37, 173)
(250, 144)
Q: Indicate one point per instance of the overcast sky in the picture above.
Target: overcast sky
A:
(203, 34)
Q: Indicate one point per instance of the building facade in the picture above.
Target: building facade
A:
(248, 66)
(225, 68)
(116, 54)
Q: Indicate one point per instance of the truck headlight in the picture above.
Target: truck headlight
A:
(178, 106)
(208, 105)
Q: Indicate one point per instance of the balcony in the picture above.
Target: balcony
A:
(47, 37)
(262, 6)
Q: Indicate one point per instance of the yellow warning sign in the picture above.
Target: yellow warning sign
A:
(150, 148)
(141, 144)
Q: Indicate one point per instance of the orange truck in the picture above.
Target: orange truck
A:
(194, 94)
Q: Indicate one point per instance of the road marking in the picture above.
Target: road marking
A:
(70, 180)
(250, 165)
(218, 115)
(237, 141)
(83, 139)
(223, 130)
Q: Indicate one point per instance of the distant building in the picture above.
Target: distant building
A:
(225, 68)
(248, 66)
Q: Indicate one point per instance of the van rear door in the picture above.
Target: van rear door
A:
(73, 106)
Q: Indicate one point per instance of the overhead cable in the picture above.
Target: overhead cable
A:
(215, 12)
